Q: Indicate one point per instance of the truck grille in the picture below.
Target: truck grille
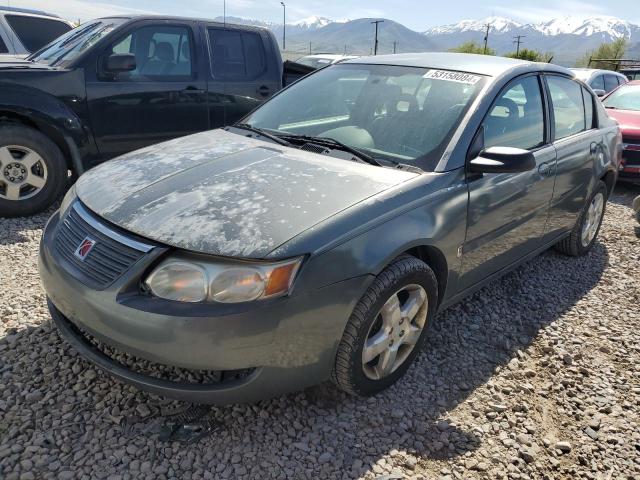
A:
(105, 262)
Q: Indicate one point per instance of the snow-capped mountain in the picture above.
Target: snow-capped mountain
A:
(567, 25)
(566, 37)
(498, 24)
(315, 22)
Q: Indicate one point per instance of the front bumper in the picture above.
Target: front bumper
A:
(288, 343)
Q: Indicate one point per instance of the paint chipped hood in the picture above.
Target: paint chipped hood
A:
(225, 194)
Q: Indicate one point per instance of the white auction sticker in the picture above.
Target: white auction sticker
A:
(459, 77)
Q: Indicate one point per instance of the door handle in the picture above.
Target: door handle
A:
(263, 90)
(544, 169)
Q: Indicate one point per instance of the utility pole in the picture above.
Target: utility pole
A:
(284, 26)
(395, 44)
(375, 45)
(486, 38)
(518, 40)
(309, 48)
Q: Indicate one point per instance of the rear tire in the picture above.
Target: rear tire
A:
(585, 232)
(394, 315)
(33, 172)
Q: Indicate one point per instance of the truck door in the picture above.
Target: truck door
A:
(245, 71)
(162, 98)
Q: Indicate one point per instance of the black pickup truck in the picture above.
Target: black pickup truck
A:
(117, 84)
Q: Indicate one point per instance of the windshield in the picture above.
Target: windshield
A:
(401, 114)
(626, 97)
(62, 51)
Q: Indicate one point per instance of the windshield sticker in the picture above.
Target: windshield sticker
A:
(458, 77)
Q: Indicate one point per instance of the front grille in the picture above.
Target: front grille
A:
(631, 157)
(105, 262)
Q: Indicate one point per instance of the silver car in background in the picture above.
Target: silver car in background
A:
(24, 31)
(600, 81)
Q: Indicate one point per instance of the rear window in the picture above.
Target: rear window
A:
(35, 32)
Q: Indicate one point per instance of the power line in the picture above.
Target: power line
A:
(375, 45)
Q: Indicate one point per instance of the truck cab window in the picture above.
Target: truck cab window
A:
(235, 54)
(162, 52)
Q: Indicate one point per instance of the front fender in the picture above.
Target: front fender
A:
(60, 115)
(436, 220)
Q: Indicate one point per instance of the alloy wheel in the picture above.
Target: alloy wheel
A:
(395, 332)
(23, 172)
(592, 219)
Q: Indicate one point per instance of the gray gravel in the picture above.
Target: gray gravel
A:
(536, 376)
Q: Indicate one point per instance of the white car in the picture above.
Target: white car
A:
(323, 59)
(25, 31)
(600, 81)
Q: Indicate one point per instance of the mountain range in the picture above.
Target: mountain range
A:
(567, 38)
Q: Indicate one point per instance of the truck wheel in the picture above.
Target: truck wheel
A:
(387, 328)
(586, 229)
(33, 173)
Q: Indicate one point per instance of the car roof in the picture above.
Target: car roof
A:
(27, 11)
(181, 19)
(466, 62)
(591, 71)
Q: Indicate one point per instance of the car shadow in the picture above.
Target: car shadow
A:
(469, 343)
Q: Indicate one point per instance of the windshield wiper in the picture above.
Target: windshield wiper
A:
(262, 133)
(335, 143)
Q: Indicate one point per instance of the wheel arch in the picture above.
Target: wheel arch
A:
(437, 261)
(609, 179)
(13, 117)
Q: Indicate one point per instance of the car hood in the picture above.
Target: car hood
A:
(629, 121)
(225, 194)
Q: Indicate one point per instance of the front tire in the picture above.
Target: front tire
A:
(33, 172)
(387, 328)
(584, 233)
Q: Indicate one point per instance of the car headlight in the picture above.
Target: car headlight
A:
(187, 279)
(68, 199)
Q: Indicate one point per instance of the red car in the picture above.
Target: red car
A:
(623, 104)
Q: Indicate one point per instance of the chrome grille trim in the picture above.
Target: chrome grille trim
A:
(129, 242)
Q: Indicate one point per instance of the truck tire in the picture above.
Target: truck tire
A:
(33, 172)
(586, 229)
(387, 328)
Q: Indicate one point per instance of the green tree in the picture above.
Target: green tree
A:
(531, 55)
(473, 47)
(611, 51)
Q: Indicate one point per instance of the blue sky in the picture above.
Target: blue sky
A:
(416, 14)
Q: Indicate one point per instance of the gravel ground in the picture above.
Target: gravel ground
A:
(536, 376)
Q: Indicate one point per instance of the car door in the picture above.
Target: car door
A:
(507, 212)
(242, 75)
(578, 142)
(162, 98)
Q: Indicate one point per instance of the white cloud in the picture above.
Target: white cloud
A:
(575, 8)
(78, 9)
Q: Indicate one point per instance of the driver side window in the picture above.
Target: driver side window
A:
(516, 119)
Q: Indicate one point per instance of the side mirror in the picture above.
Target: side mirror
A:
(503, 160)
(120, 62)
(599, 93)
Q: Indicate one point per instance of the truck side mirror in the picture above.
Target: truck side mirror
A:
(120, 62)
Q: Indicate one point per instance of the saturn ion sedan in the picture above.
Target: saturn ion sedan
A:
(317, 239)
